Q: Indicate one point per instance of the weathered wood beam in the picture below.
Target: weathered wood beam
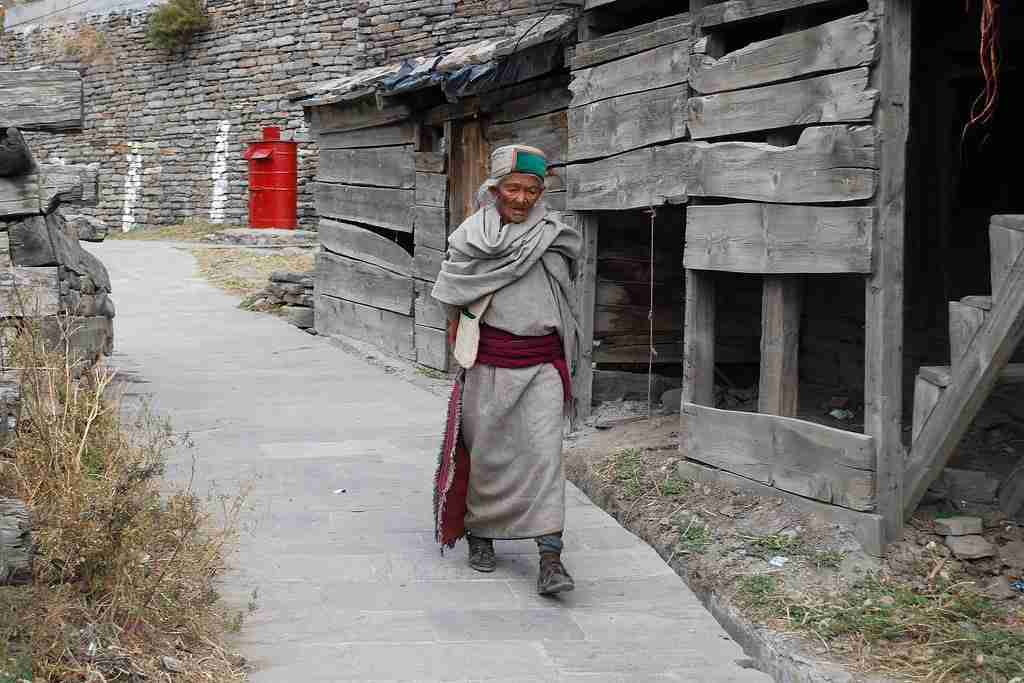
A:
(586, 289)
(548, 132)
(403, 133)
(632, 40)
(776, 239)
(431, 227)
(46, 100)
(365, 245)
(964, 322)
(429, 162)
(828, 164)
(926, 396)
(972, 381)
(779, 384)
(658, 68)
(699, 339)
(842, 44)
(431, 347)
(865, 526)
(431, 189)
(883, 367)
(384, 329)
(469, 166)
(429, 311)
(733, 11)
(811, 460)
(347, 116)
(526, 100)
(1006, 241)
(377, 166)
(619, 124)
(835, 98)
(383, 207)
(428, 263)
(363, 283)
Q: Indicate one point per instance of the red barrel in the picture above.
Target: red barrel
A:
(273, 181)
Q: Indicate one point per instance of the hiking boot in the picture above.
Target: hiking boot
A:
(481, 554)
(553, 577)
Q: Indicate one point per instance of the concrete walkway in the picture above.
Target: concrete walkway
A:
(349, 584)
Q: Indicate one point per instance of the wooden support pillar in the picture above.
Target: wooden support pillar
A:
(699, 314)
(586, 289)
(883, 381)
(699, 339)
(781, 306)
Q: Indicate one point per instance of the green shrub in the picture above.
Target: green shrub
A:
(174, 23)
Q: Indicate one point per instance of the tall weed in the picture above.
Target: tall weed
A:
(126, 566)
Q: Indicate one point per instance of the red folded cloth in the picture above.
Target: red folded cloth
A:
(502, 349)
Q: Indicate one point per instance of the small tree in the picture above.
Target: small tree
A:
(174, 23)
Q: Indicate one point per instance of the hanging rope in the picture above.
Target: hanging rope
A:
(989, 60)
(652, 212)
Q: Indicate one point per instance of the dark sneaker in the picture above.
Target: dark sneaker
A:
(481, 554)
(553, 577)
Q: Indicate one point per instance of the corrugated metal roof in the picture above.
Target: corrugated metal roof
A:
(471, 68)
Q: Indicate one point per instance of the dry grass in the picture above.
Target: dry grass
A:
(947, 633)
(244, 272)
(125, 570)
(189, 231)
(943, 630)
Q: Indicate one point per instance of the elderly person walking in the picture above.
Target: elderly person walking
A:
(508, 284)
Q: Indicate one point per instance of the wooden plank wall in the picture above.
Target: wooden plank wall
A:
(381, 203)
(768, 133)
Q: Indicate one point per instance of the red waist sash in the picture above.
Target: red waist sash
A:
(502, 349)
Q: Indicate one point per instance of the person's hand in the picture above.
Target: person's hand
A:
(453, 331)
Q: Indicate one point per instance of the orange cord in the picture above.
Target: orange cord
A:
(984, 106)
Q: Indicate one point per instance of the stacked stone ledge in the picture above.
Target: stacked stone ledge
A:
(292, 295)
(45, 274)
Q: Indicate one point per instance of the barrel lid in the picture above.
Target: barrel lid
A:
(258, 151)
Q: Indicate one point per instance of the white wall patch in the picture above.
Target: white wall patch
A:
(219, 173)
(132, 185)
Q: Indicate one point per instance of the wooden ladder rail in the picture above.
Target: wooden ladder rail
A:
(974, 377)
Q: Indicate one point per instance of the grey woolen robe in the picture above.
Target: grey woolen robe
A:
(512, 418)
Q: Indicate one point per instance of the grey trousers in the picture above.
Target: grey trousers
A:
(548, 543)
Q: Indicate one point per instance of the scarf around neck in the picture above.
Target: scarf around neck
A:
(485, 256)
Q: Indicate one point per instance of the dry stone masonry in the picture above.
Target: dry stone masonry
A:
(169, 129)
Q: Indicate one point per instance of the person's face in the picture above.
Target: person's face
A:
(515, 195)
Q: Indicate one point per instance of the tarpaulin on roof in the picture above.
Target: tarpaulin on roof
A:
(461, 72)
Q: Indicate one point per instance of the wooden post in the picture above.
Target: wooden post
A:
(699, 339)
(586, 289)
(781, 305)
(699, 314)
(883, 381)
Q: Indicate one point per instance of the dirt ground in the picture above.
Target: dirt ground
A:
(918, 614)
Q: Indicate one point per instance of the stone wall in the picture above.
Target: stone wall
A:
(168, 129)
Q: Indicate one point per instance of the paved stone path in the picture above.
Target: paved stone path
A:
(350, 585)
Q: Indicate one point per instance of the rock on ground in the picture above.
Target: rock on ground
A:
(970, 547)
(87, 228)
(958, 526)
